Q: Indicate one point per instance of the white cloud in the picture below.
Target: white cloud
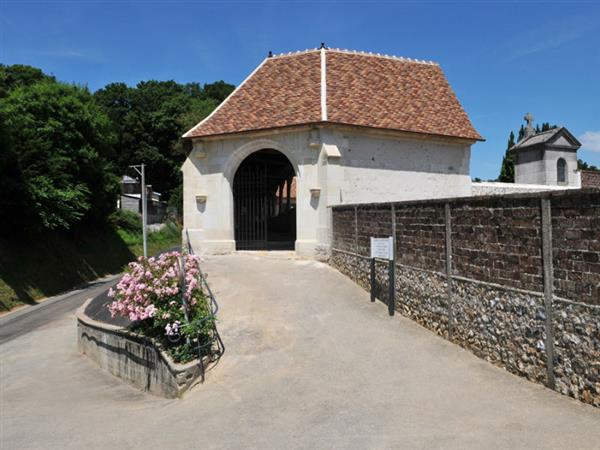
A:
(590, 140)
(550, 42)
(74, 54)
(548, 36)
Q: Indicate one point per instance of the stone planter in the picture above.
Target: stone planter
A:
(134, 358)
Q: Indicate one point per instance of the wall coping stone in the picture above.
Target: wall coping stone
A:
(472, 199)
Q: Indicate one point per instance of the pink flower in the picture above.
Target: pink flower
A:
(150, 310)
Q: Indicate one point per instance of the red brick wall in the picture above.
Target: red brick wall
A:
(344, 229)
(576, 247)
(420, 236)
(499, 241)
(372, 221)
(494, 239)
(590, 179)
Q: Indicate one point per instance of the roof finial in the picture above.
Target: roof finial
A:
(322, 45)
(270, 54)
(529, 128)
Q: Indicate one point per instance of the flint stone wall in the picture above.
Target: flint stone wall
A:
(577, 351)
(135, 359)
(497, 309)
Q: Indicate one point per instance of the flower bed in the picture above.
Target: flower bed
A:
(174, 312)
(135, 359)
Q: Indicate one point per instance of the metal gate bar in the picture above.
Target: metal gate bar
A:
(254, 189)
(251, 196)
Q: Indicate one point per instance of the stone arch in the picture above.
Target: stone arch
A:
(239, 155)
(245, 150)
(265, 201)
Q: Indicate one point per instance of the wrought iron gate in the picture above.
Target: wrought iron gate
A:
(251, 206)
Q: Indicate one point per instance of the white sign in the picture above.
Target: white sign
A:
(382, 248)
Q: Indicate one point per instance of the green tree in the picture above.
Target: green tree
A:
(17, 75)
(218, 91)
(507, 171)
(57, 145)
(149, 120)
(582, 165)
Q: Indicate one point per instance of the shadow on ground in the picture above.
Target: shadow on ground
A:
(36, 266)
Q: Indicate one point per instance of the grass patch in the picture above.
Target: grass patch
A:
(169, 236)
(33, 267)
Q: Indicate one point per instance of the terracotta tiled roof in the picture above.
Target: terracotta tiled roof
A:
(292, 189)
(343, 87)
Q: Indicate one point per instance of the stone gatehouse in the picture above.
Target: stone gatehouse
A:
(338, 127)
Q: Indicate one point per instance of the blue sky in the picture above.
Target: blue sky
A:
(502, 58)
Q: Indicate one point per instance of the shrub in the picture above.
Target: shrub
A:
(150, 295)
(127, 220)
(56, 166)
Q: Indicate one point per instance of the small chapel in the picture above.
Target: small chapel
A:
(547, 158)
(312, 129)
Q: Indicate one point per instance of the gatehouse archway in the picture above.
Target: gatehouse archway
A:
(264, 199)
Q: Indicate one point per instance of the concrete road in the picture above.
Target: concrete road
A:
(310, 364)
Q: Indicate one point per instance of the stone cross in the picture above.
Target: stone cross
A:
(529, 119)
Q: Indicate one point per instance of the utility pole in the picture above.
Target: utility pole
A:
(140, 169)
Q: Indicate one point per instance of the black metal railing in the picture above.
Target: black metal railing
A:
(212, 345)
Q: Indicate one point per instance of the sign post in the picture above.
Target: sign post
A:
(140, 168)
(383, 248)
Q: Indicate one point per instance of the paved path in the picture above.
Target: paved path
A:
(310, 363)
(29, 318)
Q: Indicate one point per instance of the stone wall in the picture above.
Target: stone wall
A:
(499, 306)
(134, 358)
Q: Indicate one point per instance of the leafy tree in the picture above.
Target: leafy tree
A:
(507, 171)
(582, 165)
(62, 149)
(150, 118)
(56, 150)
(218, 91)
(17, 75)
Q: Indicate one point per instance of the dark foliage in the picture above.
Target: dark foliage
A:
(55, 160)
(62, 149)
(149, 120)
(582, 165)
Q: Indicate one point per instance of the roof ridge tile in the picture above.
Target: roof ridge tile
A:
(386, 56)
(357, 52)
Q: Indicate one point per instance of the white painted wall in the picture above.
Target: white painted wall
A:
(530, 167)
(550, 165)
(544, 170)
(368, 168)
(381, 169)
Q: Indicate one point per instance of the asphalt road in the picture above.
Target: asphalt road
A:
(31, 318)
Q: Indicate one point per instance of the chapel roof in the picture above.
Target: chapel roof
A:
(342, 87)
(547, 137)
